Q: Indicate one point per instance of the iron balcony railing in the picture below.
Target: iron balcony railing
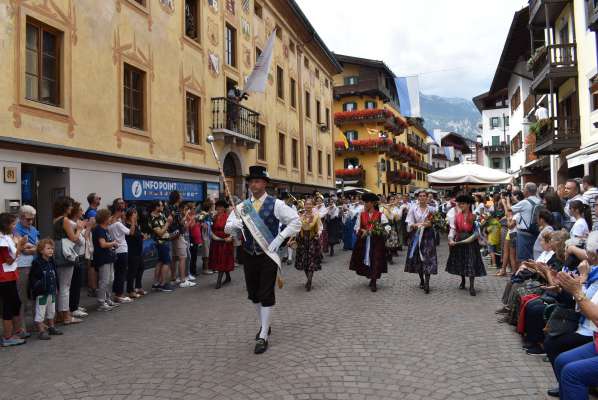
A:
(229, 115)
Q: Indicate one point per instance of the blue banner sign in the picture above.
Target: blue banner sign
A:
(154, 188)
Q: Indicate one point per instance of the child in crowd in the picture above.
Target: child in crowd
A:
(104, 256)
(43, 288)
(493, 229)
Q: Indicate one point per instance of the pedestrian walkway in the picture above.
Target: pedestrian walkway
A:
(339, 341)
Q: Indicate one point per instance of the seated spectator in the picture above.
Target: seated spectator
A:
(577, 369)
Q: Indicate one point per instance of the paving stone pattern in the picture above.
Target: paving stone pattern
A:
(339, 341)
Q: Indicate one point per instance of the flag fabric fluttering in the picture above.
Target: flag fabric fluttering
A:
(256, 82)
(342, 138)
(408, 92)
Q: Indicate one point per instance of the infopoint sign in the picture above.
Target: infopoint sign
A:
(154, 188)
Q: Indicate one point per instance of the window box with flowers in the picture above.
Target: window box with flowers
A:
(376, 114)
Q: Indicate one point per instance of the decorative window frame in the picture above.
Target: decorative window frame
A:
(186, 40)
(190, 84)
(143, 10)
(234, 69)
(131, 54)
(257, 159)
(65, 21)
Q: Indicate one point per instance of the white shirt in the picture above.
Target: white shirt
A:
(6, 241)
(537, 245)
(568, 203)
(383, 220)
(118, 231)
(285, 215)
(416, 215)
(545, 256)
(580, 229)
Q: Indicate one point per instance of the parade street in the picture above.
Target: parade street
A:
(339, 341)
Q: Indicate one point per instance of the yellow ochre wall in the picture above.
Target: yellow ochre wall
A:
(99, 36)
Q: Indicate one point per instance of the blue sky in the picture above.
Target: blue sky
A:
(453, 45)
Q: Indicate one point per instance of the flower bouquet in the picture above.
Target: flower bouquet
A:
(376, 229)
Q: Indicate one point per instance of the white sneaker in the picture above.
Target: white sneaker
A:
(79, 314)
(112, 304)
(105, 307)
(187, 284)
(124, 299)
(82, 309)
(177, 280)
(191, 278)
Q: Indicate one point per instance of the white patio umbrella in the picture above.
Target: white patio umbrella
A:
(468, 173)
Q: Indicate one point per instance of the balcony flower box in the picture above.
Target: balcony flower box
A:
(349, 172)
(362, 115)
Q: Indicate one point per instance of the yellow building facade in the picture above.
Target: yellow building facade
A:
(98, 95)
(376, 154)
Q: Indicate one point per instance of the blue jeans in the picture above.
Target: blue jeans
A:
(576, 370)
(525, 246)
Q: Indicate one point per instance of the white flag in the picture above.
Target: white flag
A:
(259, 76)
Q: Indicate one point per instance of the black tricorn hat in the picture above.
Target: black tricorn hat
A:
(258, 172)
(369, 197)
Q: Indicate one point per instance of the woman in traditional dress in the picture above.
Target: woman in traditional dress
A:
(321, 210)
(334, 226)
(221, 247)
(392, 240)
(350, 219)
(369, 255)
(309, 251)
(464, 250)
(421, 251)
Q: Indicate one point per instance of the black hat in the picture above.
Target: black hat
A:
(258, 172)
(221, 203)
(369, 197)
(465, 198)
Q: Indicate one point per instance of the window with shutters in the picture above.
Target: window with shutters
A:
(294, 153)
(134, 97)
(495, 140)
(370, 104)
(43, 64)
(280, 83)
(351, 80)
(320, 168)
(309, 159)
(352, 106)
(327, 118)
(281, 149)
(230, 53)
(351, 135)
(318, 112)
(494, 122)
(307, 105)
(293, 93)
(192, 19)
(261, 146)
(328, 165)
(193, 107)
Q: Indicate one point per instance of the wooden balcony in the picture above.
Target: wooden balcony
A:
(234, 123)
(418, 143)
(560, 134)
(545, 12)
(354, 176)
(399, 177)
(529, 104)
(557, 62)
(498, 149)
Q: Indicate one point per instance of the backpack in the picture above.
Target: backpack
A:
(532, 227)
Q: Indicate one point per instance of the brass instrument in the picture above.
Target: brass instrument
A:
(300, 203)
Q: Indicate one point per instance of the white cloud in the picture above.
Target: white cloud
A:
(453, 45)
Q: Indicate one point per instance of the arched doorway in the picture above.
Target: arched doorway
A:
(232, 173)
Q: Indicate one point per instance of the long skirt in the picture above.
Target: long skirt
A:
(392, 240)
(426, 262)
(334, 227)
(324, 239)
(466, 260)
(377, 265)
(349, 236)
(221, 256)
(309, 253)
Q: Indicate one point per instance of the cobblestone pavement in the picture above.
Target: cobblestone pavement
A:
(340, 341)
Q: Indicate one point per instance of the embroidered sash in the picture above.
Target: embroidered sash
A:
(258, 229)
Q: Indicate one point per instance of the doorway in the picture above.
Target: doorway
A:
(232, 174)
(40, 187)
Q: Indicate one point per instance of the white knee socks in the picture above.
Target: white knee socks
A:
(266, 316)
(258, 308)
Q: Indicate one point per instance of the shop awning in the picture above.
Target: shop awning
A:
(583, 156)
(469, 173)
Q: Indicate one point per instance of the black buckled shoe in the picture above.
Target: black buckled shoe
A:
(261, 346)
(257, 336)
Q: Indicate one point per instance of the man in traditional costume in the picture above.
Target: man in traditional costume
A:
(259, 219)
(369, 255)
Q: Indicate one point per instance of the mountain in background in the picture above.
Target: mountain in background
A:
(450, 114)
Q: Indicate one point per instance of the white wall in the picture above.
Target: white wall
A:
(487, 131)
(83, 182)
(517, 117)
(9, 191)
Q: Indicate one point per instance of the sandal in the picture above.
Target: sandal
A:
(501, 273)
(141, 292)
(134, 295)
